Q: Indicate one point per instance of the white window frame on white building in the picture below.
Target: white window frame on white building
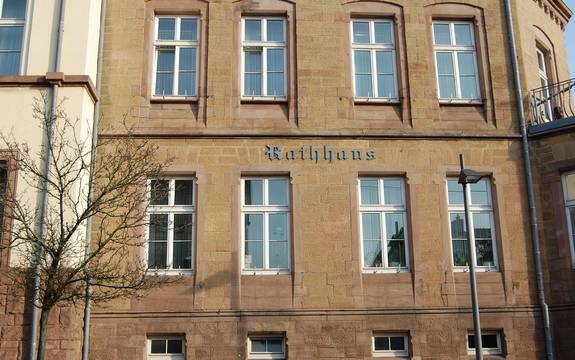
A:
(486, 349)
(264, 46)
(171, 210)
(14, 23)
(375, 47)
(455, 49)
(382, 209)
(475, 209)
(568, 180)
(166, 355)
(265, 210)
(389, 352)
(266, 355)
(176, 45)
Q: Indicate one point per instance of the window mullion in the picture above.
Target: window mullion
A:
(384, 240)
(265, 71)
(373, 53)
(175, 90)
(456, 74)
(266, 241)
(170, 244)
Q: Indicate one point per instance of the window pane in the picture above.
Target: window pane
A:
(458, 229)
(447, 87)
(541, 62)
(14, 9)
(469, 87)
(384, 61)
(371, 223)
(572, 218)
(275, 346)
(189, 29)
(395, 227)
(187, 72)
(258, 346)
(3, 184)
(158, 229)
(381, 343)
(397, 343)
(184, 192)
(361, 32)
(372, 253)
(463, 34)
(482, 225)
(392, 192)
(460, 253)
(278, 226)
(165, 72)
(254, 256)
(444, 63)
(182, 258)
(278, 192)
(183, 226)
(275, 31)
(455, 191)
(369, 192)
(471, 341)
(175, 347)
(253, 73)
(158, 347)
(396, 253)
(254, 192)
(570, 185)
(441, 34)
(385, 71)
(386, 86)
(479, 194)
(166, 29)
(253, 30)
(157, 253)
(160, 190)
(468, 75)
(363, 80)
(10, 46)
(383, 33)
(466, 63)
(489, 341)
(278, 236)
(276, 68)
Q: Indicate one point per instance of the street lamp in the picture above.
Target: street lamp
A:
(466, 177)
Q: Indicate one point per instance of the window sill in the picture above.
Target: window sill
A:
(391, 355)
(168, 272)
(460, 102)
(265, 272)
(263, 99)
(385, 271)
(173, 99)
(376, 101)
(477, 269)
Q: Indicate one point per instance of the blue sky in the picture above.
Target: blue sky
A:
(570, 39)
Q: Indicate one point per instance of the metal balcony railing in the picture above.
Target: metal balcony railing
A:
(552, 102)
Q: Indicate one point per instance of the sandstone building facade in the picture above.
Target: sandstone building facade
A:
(312, 206)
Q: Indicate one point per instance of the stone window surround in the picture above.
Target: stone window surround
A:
(391, 353)
(494, 225)
(150, 356)
(266, 336)
(486, 351)
(475, 15)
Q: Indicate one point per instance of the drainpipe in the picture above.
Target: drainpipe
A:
(88, 300)
(48, 158)
(530, 187)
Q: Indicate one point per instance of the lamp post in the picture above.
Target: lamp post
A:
(466, 177)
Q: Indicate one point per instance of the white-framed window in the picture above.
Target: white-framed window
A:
(374, 61)
(171, 229)
(267, 347)
(166, 348)
(569, 196)
(482, 222)
(264, 58)
(12, 19)
(456, 60)
(490, 342)
(546, 102)
(266, 218)
(386, 344)
(383, 224)
(176, 56)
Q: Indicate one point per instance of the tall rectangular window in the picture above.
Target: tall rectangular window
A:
(383, 216)
(12, 16)
(490, 341)
(544, 101)
(569, 194)
(456, 60)
(266, 218)
(482, 222)
(264, 58)
(166, 348)
(176, 48)
(171, 229)
(267, 347)
(3, 185)
(374, 68)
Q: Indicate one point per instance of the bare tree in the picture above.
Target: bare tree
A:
(114, 197)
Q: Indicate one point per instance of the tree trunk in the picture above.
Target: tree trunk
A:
(45, 313)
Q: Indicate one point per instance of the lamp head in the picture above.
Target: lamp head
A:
(468, 176)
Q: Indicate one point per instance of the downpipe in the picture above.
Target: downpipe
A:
(530, 186)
